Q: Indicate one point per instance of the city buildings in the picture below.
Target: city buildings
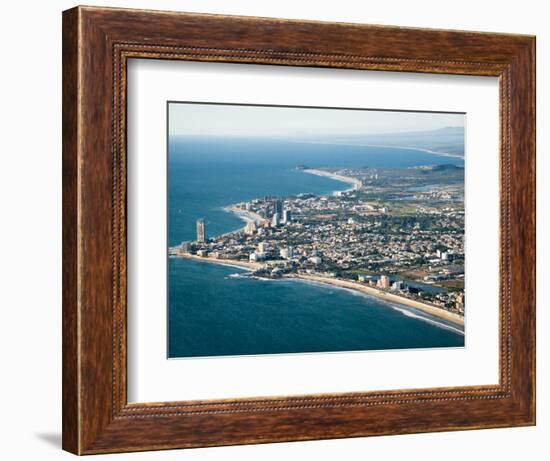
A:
(383, 282)
(287, 216)
(381, 234)
(278, 208)
(250, 228)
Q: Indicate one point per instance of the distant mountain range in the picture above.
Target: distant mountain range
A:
(448, 140)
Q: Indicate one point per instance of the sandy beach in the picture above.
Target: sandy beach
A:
(428, 308)
(224, 262)
(390, 297)
(245, 215)
(435, 152)
(251, 216)
(355, 183)
(442, 154)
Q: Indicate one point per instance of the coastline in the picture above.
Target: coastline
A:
(354, 286)
(250, 216)
(244, 215)
(355, 183)
(224, 262)
(427, 308)
(442, 154)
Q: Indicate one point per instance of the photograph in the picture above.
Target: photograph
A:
(298, 229)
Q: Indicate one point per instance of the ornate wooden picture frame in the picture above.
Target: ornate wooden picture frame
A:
(97, 44)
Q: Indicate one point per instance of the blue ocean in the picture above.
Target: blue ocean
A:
(214, 313)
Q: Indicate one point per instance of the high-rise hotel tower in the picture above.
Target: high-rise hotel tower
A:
(200, 231)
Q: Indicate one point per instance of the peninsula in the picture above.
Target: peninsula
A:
(396, 233)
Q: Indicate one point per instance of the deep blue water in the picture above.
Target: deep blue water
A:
(211, 314)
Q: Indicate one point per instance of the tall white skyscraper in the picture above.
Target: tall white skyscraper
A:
(200, 231)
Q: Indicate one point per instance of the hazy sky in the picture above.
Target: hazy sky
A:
(238, 120)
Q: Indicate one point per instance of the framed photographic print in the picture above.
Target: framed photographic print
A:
(281, 230)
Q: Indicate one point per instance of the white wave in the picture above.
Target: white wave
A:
(412, 314)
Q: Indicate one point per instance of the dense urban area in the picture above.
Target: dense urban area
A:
(395, 230)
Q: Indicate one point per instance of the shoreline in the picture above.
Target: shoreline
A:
(224, 262)
(244, 215)
(355, 183)
(442, 154)
(438, 312)
(250, 216)
(427, 308)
